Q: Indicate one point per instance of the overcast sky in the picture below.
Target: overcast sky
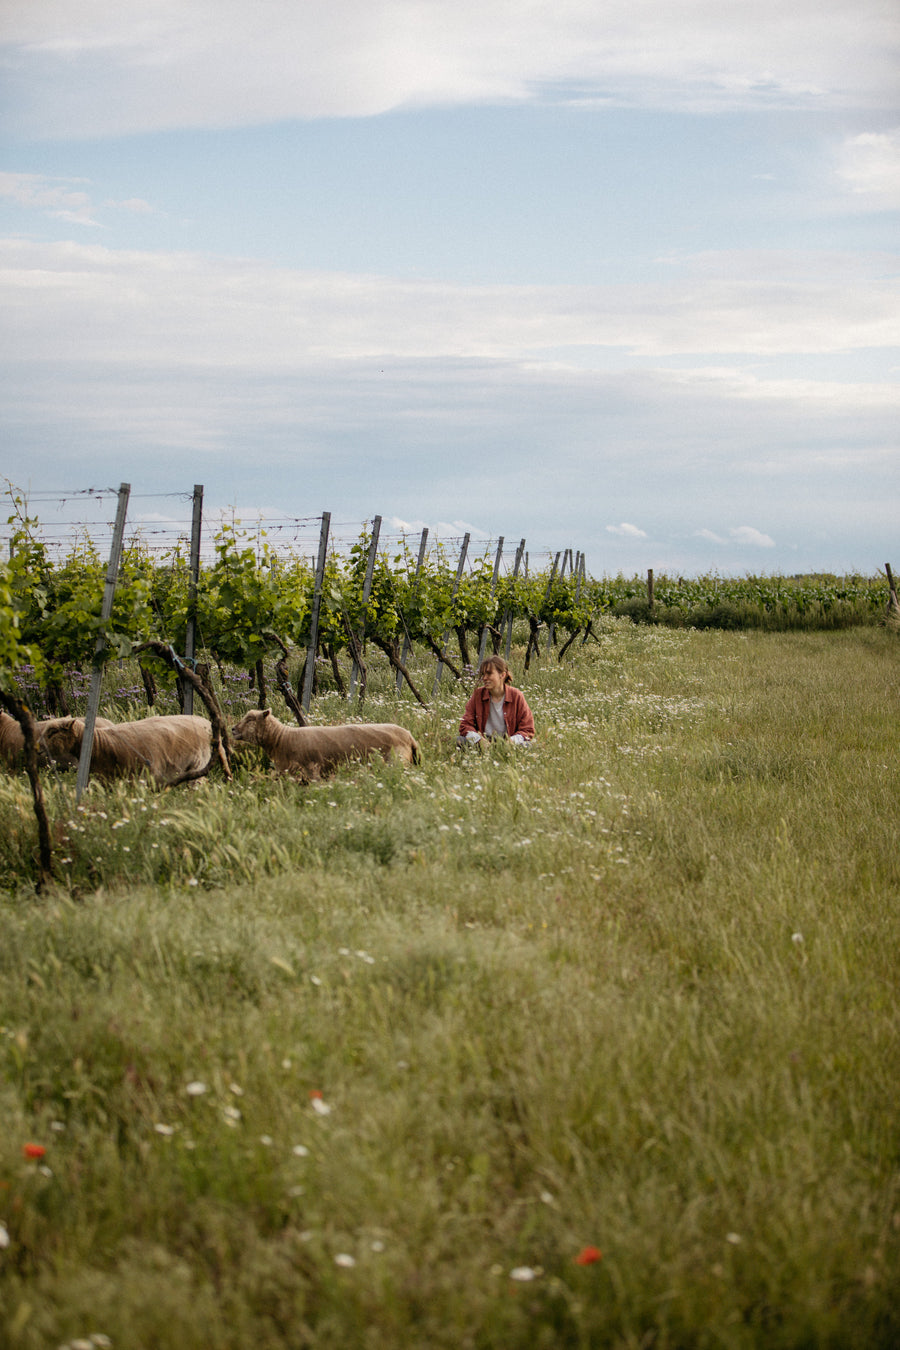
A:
(616, 276)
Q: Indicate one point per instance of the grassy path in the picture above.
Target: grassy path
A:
(389, 1061)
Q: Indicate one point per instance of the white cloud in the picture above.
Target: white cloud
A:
(100, 68)
(163, 308)
(627, 531)
(746, 534)
(55, 197)
(60, 199)
(135, 205)
(869, 166)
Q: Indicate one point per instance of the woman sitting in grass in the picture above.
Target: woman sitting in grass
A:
(496, 708)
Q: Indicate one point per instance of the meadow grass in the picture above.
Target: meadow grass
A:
(374, 1062)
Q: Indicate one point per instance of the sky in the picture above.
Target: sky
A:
(617, 277)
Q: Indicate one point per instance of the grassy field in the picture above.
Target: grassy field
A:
(595, 1044)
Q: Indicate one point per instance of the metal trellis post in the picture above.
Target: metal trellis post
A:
(109, 590)
(367, 590)
(190, 636)
(459, 571)
(407, 645)
(508, 618)
(484, 636)
(314, 615)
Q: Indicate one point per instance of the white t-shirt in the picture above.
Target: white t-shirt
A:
(496, 722)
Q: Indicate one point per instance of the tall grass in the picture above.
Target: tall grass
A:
(633, 990)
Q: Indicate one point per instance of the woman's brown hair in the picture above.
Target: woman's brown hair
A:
(496, 663)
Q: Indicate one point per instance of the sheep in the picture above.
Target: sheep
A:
(312, 751)
(175, 749)
(12, 742)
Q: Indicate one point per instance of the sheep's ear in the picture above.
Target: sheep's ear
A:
(267, 712)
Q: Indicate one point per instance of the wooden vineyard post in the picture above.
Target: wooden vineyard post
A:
(407, 645)
(508, 617)
(314, 614)
(650, 589)
(459, 571)
(550, 582)
(112, 573)
(367, 590)
(484, 635)
(190, 636)
(892, 589)
(551, 627)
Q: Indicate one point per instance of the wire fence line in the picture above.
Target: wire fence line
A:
(69, 520)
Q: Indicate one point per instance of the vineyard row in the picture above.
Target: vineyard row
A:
(253, 601)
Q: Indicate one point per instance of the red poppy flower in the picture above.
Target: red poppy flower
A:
(33, 1150)
(315, 1092)
(588, 1255)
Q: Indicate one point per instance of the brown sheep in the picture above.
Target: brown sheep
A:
(312, 751)
(12, 742)
(175, 749)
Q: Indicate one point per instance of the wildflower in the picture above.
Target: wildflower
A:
(192, 881)
(321, 1108)
(588, 1255)
(195, 1089)
(523, 1273)
(300, 1151)
(231, 1115)
(33, 1150)
(797, 937)
(4, 1236)
(266, 1140)
(345, 1259)
(167, 1130)
(734, 1238)
(238, 1091)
